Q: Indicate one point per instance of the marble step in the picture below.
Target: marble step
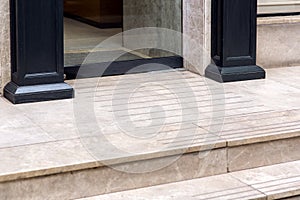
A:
(260, 139)
(280, 181)
(43, 158)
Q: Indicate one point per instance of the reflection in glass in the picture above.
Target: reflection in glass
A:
(87, 23)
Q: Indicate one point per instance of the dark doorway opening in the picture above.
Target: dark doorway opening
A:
(98, 13)
(96, 27)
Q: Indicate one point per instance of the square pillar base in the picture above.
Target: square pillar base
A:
(35, 93)
(234, 73)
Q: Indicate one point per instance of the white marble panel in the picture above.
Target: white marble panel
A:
(197, 31)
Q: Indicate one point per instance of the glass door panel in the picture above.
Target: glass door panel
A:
(99, 27)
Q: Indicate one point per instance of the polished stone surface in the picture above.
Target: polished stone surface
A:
(165, 19)
(116, 178)
(265, 183)
(216, 187)
(197, 35)
(87, 44)
(262, 154)
(145, 117)
(278, 181)
(80, 37)
(278, 42)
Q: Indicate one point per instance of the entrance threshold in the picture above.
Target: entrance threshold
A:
(123, 67)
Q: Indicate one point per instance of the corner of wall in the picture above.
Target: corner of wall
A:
(197, 35)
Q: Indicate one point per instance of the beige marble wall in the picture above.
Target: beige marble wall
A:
(153, 13)
(4, 44)
(197, 31)
(192, 17)
(278, 42)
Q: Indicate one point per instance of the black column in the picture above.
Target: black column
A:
(234, 41)
(37, 52)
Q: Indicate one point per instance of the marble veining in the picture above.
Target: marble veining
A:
(272, 182)
(197, 35)
(249, 119)
(278, 42)
(113, 179)
(211, 143)
(159, 15)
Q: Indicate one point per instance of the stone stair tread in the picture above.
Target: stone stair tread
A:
(247, 120)
(72, 154)
(271, 182)
(35, 146)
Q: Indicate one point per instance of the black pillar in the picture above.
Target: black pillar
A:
(234, 41)
(37, 52)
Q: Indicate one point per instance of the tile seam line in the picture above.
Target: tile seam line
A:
(213, 134)
(250, 185)
(36, 124)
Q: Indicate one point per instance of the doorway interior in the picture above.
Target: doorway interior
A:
(96, 26)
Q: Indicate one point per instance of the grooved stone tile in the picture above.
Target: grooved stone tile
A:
(277, 181)
(262, 127)
(37, 155)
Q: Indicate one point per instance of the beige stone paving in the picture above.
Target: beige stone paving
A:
(276, 182)
(272, 182)
(149, 114)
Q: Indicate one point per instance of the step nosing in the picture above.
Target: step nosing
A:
(246, 190)
(181, 150)
(219, 143)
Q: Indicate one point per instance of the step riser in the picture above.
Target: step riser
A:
(104, 180)
(266, 183)
(263, 154)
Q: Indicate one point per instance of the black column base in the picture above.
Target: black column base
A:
(234, 73)
(35, 93)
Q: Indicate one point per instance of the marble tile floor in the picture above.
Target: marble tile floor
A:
(87, 44)
(141, 117)
(79, 36)
(266, 183)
